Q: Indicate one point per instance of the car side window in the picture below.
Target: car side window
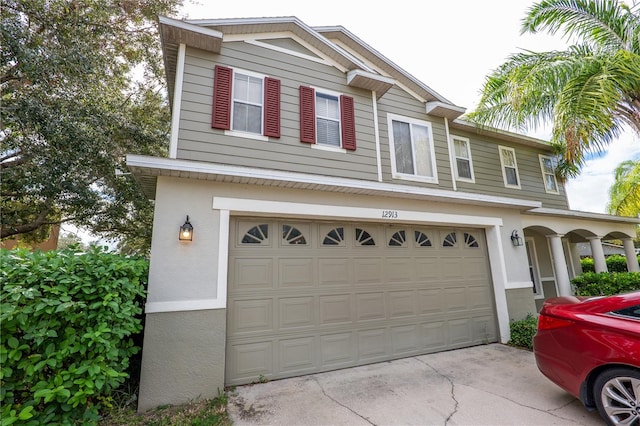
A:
(631, 312)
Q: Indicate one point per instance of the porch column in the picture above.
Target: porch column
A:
(630, 253)
(560, 265)
(597, 252)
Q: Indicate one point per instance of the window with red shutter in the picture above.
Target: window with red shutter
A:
(245, 102)
(327, 119)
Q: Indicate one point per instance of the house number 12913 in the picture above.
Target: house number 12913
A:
(389, 214)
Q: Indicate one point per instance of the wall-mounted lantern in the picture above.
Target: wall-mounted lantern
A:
(186, 231)
(516, 240)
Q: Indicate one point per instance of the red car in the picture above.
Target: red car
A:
(591, 348)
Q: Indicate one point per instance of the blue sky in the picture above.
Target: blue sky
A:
(449, 45)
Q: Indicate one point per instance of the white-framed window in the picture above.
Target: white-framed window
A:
(247, 102)
(462, 165)
(328, 119)
(509, 166)
(411, 148)
(547, 166)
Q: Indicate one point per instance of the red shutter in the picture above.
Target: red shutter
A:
(307, 115)
(271, 107)
(348, 121)
(221, 117)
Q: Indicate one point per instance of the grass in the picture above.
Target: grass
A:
(207, 412)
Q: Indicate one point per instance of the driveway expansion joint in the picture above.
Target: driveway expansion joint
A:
(315, 379)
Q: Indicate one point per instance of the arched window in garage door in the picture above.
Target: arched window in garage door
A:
(335, 237)
(259, 234)
(292, 235)
(364, 238)
(470, 241)
(422, 240)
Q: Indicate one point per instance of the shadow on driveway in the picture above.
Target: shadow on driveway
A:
(483, 385)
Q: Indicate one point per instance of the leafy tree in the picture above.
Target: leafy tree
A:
(81, 86)
(590, 92)
(624, 194)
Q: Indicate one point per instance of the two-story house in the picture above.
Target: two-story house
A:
(336, 212)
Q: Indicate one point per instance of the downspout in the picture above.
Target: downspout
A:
(453, 174)
(376, 132)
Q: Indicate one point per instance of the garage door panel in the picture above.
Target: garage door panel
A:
(398, 270)
(367, 270)
(250, 360)
(335, 309)
(404, 339)
(296, 312)
(338, 350)
(402, 304)
(306, 297)
(333, 271)
(252, 315)
(372, 344)
(431, 301)
(295, 272)
(370, 307)
(297, 355)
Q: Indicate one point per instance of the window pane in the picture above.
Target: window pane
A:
(460, 148)
(551, 183)
(247, 89)
(402, 147)
(423, 153)
(546, 165)
(512, 177)
(328, 132)
(464, 168)
(327, 106)
(247, 118)
(508, 158)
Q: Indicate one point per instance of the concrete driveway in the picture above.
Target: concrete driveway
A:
(484, 385)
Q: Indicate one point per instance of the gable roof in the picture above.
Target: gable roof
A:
(208, 34)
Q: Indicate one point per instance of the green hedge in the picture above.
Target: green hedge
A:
(615, 263)
(606, 283)
(66, 319)
(522, 331)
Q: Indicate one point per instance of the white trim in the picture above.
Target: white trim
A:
(547, 279)
(170, 166)
(519, 284)
(189, 27)
(376, 132)
(177, 101)
(502, 165)
(451, 154)
(246, 135)
(244, 205)
(325, 147)
(499, 277)
(455, 159)
(406, 176)
(544, 175)
(283, 50)
(184, 305)
(223, 258)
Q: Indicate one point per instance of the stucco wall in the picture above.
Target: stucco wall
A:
(182, 358)
(521, 303)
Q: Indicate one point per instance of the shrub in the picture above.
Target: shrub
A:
(587, 264)
(522, 331)
(66, 321)
(606, 283)
(616, 263)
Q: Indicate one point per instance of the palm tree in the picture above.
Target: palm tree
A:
(624, 194)
(589, 93)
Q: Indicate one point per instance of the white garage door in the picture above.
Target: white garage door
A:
(306, 297)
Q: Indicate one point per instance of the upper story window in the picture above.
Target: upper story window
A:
(245, 102)
(411, 147)
(327, 119)
(509, 167)
(548, 174)
(463, 165)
